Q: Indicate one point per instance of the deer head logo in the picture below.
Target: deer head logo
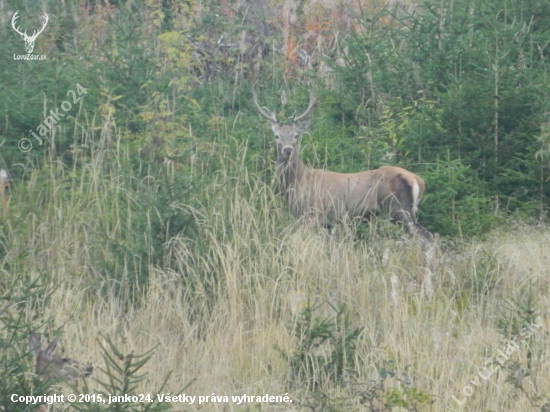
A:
(29, 40)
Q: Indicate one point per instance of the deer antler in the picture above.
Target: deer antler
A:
(269, 116)
(311, 104)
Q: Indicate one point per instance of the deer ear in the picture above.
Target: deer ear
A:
(50, 350)
(303, 125)
(34, 343)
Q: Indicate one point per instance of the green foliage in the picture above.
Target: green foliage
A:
(481, 70)
(326, 350)
(406, 90)
(455, 204)
(15, 299)
(164, 160)
(393, 389)
(123, 376)
(401, 395)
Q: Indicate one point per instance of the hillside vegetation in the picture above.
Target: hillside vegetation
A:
(146, 230)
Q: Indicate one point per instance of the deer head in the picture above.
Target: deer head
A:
(29, 40)
(50, 365)
(286, 135)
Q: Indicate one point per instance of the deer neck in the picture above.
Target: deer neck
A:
(290, 171)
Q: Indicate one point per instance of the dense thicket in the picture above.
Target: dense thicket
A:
(469, 86)
(456, 92)
(147, 212)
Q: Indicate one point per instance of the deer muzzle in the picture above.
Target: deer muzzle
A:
(287, 151)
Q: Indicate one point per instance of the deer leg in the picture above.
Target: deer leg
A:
(407, 220)
(402, 218)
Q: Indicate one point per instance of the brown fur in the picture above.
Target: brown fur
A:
(52, 366)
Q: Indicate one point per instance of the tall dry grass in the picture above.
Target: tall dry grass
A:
(222, 311)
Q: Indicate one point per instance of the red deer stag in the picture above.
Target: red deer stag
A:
(51, 366)
(330, 197)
